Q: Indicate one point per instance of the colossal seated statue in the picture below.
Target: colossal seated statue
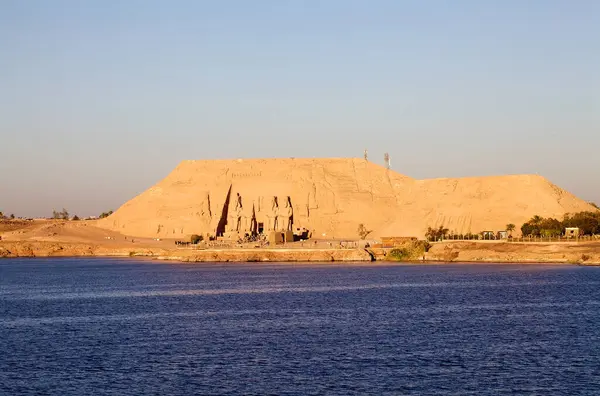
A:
(272, 215)
(234, 218)
(248, 218)
(285, 215)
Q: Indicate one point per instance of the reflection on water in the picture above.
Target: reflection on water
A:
(77, 326)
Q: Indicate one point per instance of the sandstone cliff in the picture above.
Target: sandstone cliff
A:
(331, 197)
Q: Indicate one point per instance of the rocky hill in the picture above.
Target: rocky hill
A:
(330, 197)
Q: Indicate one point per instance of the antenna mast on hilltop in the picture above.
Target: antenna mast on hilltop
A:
(366, 155)
(386, 158)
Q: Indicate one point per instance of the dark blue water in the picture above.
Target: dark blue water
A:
(83, 327)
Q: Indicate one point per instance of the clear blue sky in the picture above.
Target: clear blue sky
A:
(101, 99)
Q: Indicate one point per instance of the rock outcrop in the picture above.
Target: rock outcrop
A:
(330, 198)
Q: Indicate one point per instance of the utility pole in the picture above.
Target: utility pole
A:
(366, 155)
(386, 158)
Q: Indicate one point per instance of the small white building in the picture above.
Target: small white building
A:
(488, 235)
(572, 232)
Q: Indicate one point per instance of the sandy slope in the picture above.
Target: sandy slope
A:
(477, 204)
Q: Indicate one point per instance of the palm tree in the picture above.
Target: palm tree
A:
(510, 228)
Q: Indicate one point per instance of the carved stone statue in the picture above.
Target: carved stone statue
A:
(247, 218)
(238, 201)
(235, 215)
(254, 221)
(285, 215)
(215, 218)
(272, 215)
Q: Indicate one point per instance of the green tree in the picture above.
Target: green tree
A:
(12, 216)
(62, 215)
(538, 226)
(587, 222)
(436, 234)
(510, 228)
(195, 239)
(106, 214)
(1, 215)
(75, 218)
(532, 227)
(363, 232)
(551, 228)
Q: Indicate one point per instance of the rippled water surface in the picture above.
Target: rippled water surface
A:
(83, 327)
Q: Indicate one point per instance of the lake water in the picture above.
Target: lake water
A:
(126, 327)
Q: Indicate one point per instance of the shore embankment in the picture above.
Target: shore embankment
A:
(464, 252)
(586, 253)
(58, 249)
(83, 239)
